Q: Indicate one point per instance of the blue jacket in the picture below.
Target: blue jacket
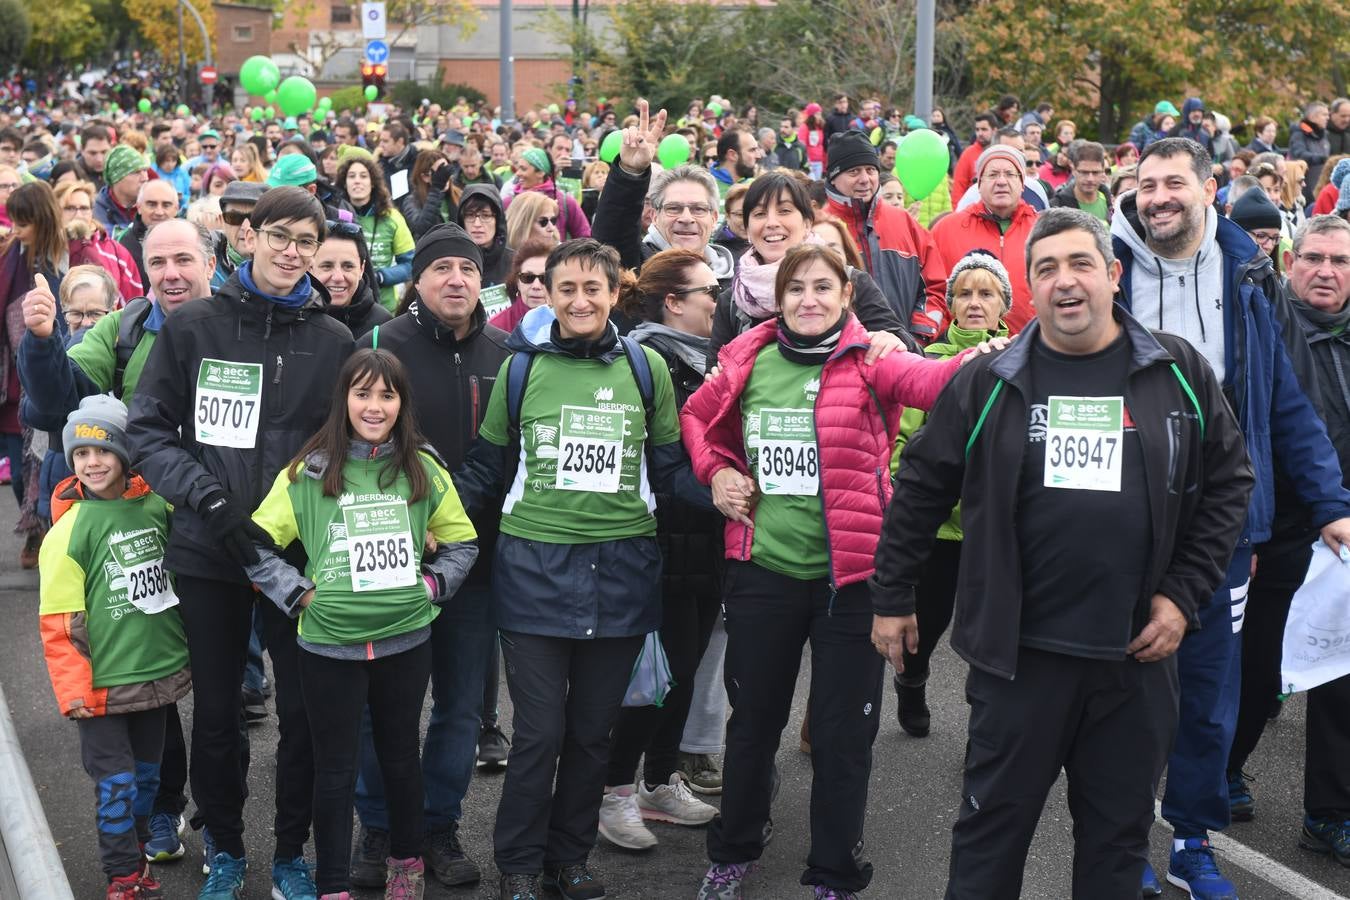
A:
(1277, 419)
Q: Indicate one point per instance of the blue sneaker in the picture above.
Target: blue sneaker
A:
(291, 880)
(1241, 803)
(226, 881)
(1148, 885)
(208, 851)
(1326, 836)
(1193, 869)
(164, 844)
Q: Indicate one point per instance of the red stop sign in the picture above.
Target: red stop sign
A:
(208, 74)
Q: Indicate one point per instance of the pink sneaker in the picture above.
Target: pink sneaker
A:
(404, 878)
(5, 476)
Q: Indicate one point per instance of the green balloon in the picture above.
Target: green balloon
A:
(921, 163)
(325, 103)
(271, 112)
(673, 150)
(609, 147)
(371, 92)
(270, 96)
(715, 109)
(257, 113)
(296, 95)
(258, 75)
(183, 109)
(143, 105)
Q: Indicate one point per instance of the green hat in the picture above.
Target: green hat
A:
(123, 160)
(290, 124)
(913, 122)
(1165, 108)
(347, 151)
(292, 169)
(209, 133)
(539, 159)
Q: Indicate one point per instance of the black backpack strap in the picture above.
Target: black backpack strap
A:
(130, 330)
(517, 376)
(642, 373)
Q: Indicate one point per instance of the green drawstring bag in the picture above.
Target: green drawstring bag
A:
(651, 679)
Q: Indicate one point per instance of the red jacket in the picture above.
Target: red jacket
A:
(1326, 201)
(963, 176)
(857, 410)
(101, 250)
(903, 260)
(976, 228)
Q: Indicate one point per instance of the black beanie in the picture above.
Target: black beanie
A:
(848, 150)
(1254, 210)
(447, 239)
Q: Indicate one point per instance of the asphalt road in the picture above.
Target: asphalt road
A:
(915, 793)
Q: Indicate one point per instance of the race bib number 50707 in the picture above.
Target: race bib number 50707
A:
(228, 403)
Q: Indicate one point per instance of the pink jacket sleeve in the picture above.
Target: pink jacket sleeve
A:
(711, 440)
(907, 379)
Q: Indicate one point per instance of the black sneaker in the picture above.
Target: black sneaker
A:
(368, 856)
(493, 747)
(447, 861)
(575, 882)
(519, 887)
(912, 708)
(255, 706)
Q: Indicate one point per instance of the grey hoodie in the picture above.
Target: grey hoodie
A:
(719, 258)
(1180, 296)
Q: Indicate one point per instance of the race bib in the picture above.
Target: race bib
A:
(380, 546)
(140, 556)
(494, 299)
(590, 449)
(1083, 448)
(789, 461)
(229, 402)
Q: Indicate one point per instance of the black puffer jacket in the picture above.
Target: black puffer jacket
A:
(362, 314)
(300, 351)
(452, 380)
(497, 259)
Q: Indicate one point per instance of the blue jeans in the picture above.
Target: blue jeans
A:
(1209, 667)
(253, 663)
(461, 641)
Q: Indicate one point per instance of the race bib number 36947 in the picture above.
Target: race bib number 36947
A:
(228, 403)
(1083, 449)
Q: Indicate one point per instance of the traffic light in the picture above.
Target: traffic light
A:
(372, 75)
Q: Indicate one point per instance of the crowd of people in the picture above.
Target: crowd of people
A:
(396, 402)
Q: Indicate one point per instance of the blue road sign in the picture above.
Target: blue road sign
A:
(377, 52)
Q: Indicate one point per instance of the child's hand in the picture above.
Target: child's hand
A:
(307, 598)
(430, 542)
(80, 712)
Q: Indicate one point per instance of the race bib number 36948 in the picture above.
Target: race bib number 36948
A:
(788, 457)
(1083, 448)
(228, 403)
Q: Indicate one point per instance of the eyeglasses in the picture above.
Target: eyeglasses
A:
(9, 186)
(74, 316)
(209, 147)
(674, 210)
(280, 240)
(529, 277)
(74, 210)
(710, 289)
(1316, 260)
(546, 221)
(709, 159)
(1265, 238)
(481, 216)
(1004, 175)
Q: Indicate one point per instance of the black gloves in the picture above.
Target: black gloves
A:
(232, 526)
(441, 176)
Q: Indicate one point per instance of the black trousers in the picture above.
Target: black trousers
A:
(218, 618)
(769, 617)
(934, 599)
(121, 754)
(173, 768)
(686, 625)
(566, 695)
(1108, 724)
(336, 693)
(1326, 770)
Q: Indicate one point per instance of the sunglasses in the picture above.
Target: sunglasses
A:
(234, 218)
(529, 277)
(546, 221)
(344, 229)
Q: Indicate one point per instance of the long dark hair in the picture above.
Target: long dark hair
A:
(35, 204)
(363, 368)
(380, 204)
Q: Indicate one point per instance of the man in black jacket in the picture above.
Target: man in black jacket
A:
(452, 356)
(1133, 483)
(226, 399)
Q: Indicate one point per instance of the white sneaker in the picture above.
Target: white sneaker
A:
(621, 823)
(673, 802)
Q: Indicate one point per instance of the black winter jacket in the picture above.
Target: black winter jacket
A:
(451, 382)
(362, 314)
(300, 352)
(496, 259)
(1197, 475)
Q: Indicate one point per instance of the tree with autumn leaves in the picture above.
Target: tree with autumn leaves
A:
(1110, 61)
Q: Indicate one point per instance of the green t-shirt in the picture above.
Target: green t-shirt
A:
(373, 527)
(387, 237)
(790, 526)
(1098, 207)
(585, 416)
(84, 566)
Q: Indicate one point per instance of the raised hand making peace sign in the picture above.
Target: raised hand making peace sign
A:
(639, 142)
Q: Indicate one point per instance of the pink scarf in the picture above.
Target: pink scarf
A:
(752, 288)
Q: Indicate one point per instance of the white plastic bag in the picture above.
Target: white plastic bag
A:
(1317, 635)
(651, 679)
